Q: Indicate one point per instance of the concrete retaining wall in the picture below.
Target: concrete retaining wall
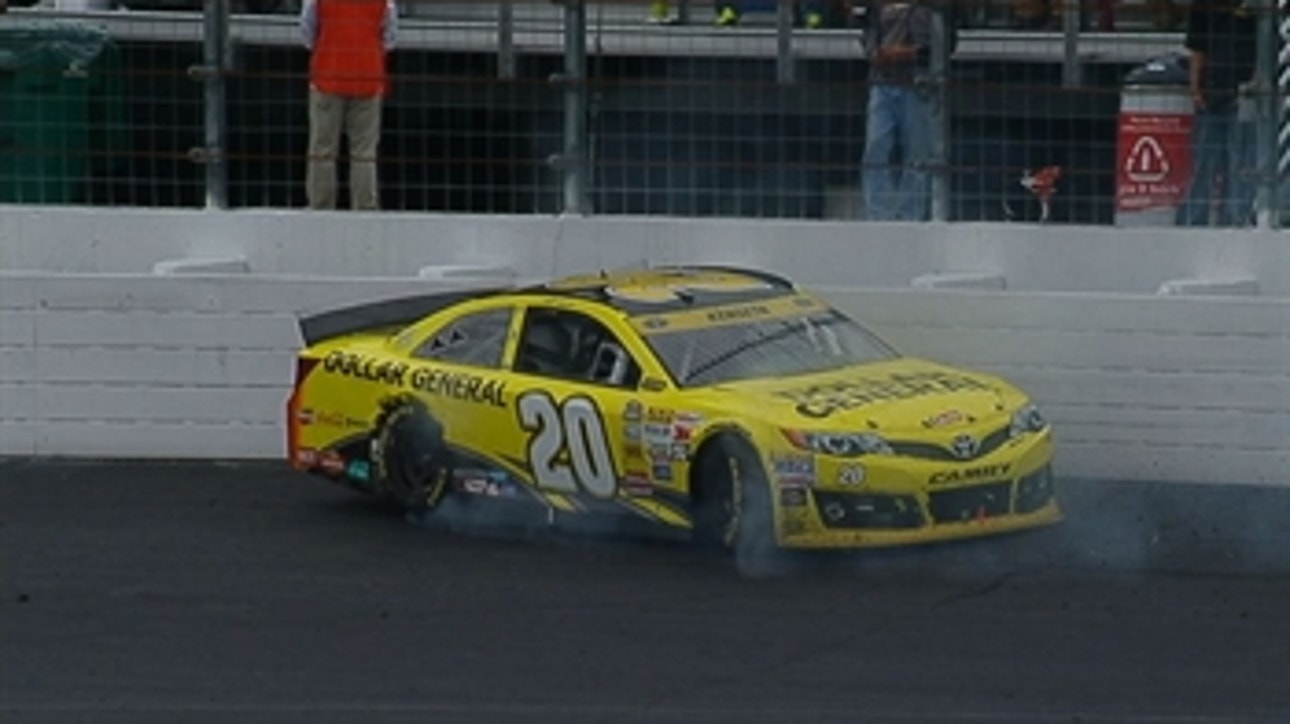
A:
(1159, 354)
(1139, 387)
(154, 366)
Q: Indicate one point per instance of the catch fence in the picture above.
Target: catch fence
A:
(631, 107)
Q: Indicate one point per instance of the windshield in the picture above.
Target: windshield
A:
(779, 347)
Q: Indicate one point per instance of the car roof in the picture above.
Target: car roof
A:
(655, 290)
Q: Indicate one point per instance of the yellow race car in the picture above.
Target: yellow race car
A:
(719, 404)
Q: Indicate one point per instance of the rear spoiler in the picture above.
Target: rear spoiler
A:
(315, 328)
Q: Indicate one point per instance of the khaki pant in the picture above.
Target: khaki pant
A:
(361, 120)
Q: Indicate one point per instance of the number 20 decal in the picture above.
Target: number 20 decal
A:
(575, 426)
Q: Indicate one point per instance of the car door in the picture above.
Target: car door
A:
(577, 404)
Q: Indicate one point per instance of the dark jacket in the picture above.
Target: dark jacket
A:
(906, 22)
(1225, 32)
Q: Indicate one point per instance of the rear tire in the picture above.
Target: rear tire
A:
(413, 464)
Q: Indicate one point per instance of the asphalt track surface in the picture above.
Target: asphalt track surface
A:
(245, 593)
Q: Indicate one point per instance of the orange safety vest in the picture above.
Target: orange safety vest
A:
(349, 53)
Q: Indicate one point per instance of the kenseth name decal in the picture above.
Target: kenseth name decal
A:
(733, 314)
(825, 400)
(422, 378)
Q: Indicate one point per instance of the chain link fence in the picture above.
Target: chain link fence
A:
(1017, 110)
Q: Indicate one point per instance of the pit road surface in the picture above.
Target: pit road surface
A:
(219, 593)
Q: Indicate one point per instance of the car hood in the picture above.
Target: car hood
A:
(901, 394)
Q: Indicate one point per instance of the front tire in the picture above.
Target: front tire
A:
(413, 463)
(733, 508)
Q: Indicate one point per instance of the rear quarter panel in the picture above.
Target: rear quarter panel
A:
(334, 407)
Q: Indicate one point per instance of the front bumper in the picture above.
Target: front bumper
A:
(908, 502)
(821, 537)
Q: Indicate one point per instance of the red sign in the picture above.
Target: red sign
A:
(1153, 161)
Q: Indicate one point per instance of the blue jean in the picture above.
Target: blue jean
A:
(899, 116)
(1222, 156)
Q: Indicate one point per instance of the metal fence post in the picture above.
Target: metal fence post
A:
(215, 58)
(784, 63)
(1072, 67)
(574, 160)
(939, 68)
(1281, 89)
(506, 40)
(1266, 113)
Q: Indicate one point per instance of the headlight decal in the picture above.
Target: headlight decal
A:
(1026, 419)
(839, 444)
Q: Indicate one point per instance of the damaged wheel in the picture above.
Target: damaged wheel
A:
(412, 461)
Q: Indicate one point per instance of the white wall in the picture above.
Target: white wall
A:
(1138, 387)
(99, 356)
(154, 366)
(1032, 258)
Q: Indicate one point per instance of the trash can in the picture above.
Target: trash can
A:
(1153, 149)
(59, 98)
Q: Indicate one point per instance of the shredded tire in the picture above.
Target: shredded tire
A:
(413, 464)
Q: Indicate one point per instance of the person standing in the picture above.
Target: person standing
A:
(899, 112)
(1221, 36)
(348, 42)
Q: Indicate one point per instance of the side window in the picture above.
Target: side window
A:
(477, 339)
(573, 346)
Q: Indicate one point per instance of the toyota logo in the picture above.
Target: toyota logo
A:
(964, 446)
